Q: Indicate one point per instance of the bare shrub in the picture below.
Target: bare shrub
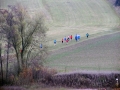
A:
(31, 75)
(43, 74)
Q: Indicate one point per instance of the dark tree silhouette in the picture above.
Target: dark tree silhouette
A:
(117, 3)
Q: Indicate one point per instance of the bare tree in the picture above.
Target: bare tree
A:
(25, 35)
(6, 29)
(1, 39)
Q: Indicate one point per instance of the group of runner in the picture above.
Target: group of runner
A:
(67, 39)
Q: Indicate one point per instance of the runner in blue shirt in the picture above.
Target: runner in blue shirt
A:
(55, 42)
(40, 45)
(87, 35)
(64, 38)
(76, 38)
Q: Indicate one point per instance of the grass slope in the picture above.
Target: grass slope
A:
(78, 16)
(66, 17)
(98, 54)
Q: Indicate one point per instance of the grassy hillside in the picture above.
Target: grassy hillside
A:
(99, 54)
(77, 16)
(66, 17)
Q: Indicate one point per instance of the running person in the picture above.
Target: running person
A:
(67, 41)
(76, 38)
(40, 45)
(55, 42)
(71, 37)
(62, 40)
(87, 35)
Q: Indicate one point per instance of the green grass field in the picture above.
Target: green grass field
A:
(97, 54)
(66, 17)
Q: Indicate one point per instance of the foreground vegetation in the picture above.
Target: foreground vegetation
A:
(75, 81)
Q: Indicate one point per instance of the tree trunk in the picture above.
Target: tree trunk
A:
(19, 65)
(18, 62)
(8, 47)
(1, 64)
(22, 59)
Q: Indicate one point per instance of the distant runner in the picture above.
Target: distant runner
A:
(87, 35)
(68, 37)
(40, 45)
(71, 37)
(76, 38)
(62, 40)
(67, 41)
(55, 42)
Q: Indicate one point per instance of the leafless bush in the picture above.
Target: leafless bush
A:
(78, 80)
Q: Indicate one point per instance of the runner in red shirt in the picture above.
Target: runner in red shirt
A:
(71, 37)
(67, 41)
